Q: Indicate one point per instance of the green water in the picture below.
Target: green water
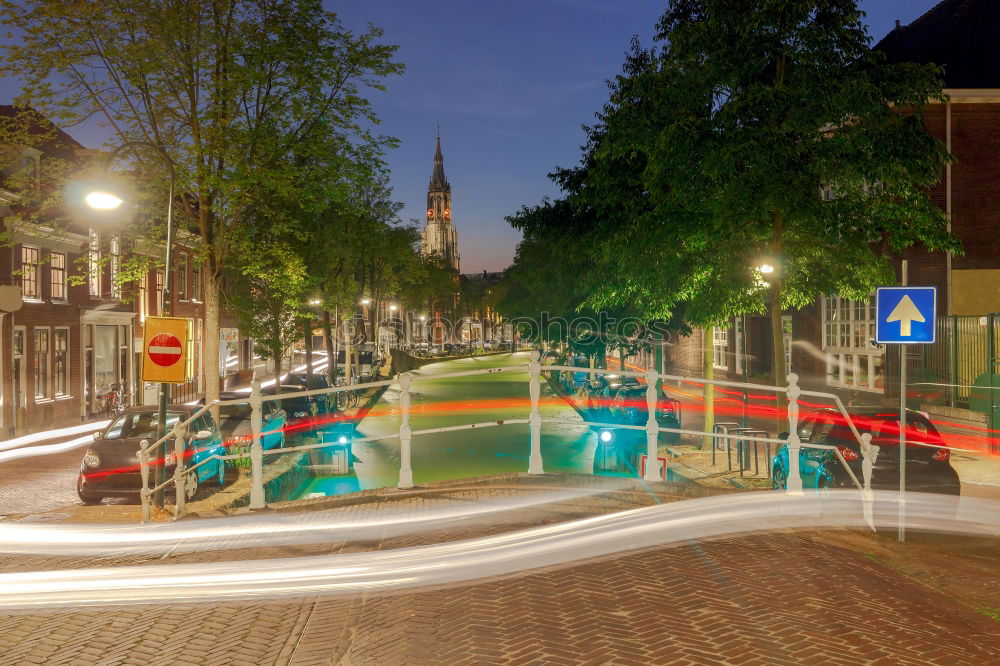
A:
(437, 403)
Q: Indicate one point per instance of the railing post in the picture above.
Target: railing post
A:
(180, 440)
(405, 432)
(652, 429)
(535, 418)
(794, 480)
(144, 474)
(256, 450)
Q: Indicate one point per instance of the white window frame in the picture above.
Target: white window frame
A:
(35, 330)
(61, 270)
(115, 250)
(720, 348)
(67, 372)
(33, 269)
(847, 329)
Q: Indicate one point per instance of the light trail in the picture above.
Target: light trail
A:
(46, 449)
(257, 531)
(52, 434)
(471, 560)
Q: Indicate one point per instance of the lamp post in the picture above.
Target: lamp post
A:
(106, 201)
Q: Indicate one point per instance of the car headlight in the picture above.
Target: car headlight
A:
(606, 436)
(343, 439)
(91, 459)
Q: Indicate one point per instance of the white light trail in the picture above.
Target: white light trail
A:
(45, 449)
(52, 434)
(486, 557)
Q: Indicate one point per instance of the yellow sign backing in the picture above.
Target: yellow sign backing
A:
(165, 349)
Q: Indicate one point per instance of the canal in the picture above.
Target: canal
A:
(442, 402)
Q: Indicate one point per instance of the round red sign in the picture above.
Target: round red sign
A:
(164, 349)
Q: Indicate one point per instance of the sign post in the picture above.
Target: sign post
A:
(904, 315)
(164, 360)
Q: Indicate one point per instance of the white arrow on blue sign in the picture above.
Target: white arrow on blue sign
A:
(905, 315)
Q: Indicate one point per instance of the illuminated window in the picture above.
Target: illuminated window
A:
(851, 360)
(40, 337)
(29, 272)
(61, 353)
(57, 262)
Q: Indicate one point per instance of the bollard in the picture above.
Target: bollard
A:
(256, 451)
(180, 439)
(794, 443)
(144, 474)
(405, 433)
(652, 429)
(535, 418)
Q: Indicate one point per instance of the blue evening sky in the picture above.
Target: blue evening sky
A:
(511, 82)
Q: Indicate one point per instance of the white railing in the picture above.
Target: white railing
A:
(181, 435)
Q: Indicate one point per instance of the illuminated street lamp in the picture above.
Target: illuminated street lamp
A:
(766, 269)
(101, 200)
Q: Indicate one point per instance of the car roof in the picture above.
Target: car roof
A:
(887, 412)
(155, 408)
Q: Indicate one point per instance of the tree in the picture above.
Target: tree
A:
(228, 90)
(733, 128)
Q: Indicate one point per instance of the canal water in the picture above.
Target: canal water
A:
(442, 402)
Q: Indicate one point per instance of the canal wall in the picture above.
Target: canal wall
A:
(403, 361)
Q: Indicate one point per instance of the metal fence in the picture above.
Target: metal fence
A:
(946, 372)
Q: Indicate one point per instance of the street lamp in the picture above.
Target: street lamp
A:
(100, 200)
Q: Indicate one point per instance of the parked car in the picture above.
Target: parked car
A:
(300, 409)
(110, 467)
(928, 468)
(313, 381)
(234, 423)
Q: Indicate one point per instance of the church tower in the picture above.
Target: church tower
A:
(440, 236)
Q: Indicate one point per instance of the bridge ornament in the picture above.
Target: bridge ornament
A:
(652, 428)
(405, 432)
(794, 480)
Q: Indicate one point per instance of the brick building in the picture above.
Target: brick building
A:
(80, 328)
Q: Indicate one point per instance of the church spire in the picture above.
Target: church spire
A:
(438, 179)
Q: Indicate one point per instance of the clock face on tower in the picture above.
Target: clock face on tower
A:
(430, 213)
(447, 213)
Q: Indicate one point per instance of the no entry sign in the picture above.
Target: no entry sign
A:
(164, 357)
(165, 350)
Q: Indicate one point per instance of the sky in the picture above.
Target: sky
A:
(511, 83)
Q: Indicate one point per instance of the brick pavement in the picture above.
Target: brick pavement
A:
(777, 598)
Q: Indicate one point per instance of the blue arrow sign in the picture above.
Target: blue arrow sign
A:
(905, 315)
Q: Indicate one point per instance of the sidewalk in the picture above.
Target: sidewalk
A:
(755, 599)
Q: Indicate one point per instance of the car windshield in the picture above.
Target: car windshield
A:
(135, 425)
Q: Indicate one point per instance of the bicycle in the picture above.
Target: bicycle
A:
(115, 400)
(347, 400)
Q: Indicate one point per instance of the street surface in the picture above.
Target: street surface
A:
(777, 598)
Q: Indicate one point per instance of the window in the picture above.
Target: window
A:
(115, 247)
(29, 272)
(41, 340)
(851, 361)
(720, 347)
(61, 353)
(182, 276)
(196, 281)
(57, 262)
(158, 296)
(94, 263)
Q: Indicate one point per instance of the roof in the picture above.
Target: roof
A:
(438, 180)
(55, 142)
(959, 35)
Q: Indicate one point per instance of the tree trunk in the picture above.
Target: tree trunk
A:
(777, 348)
(307, 328)
(331, 352)
(708, 369)
(213, 288)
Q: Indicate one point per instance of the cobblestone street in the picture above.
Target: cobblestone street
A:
(778, 598)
